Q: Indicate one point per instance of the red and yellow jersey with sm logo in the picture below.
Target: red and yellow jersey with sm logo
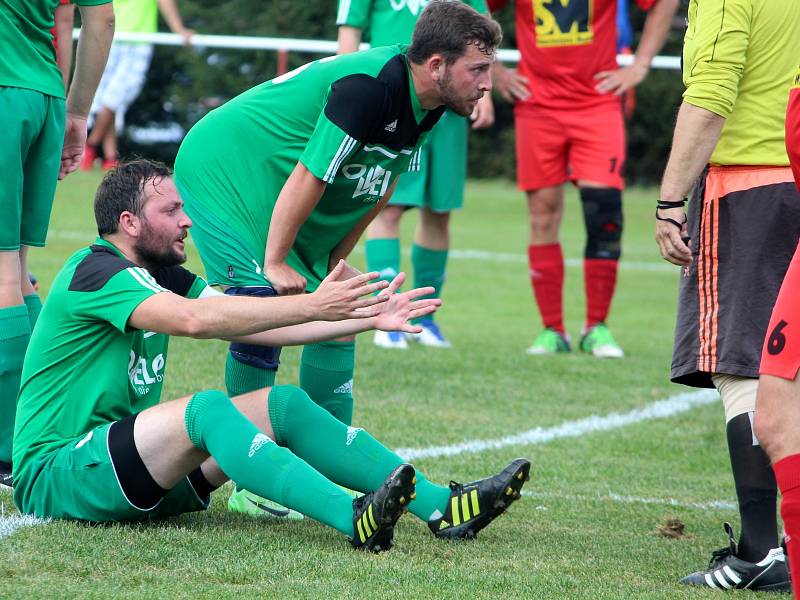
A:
(564, 43)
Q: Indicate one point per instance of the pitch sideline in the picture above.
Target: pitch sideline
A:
(457, 254)
(671, 406)
(625, 499)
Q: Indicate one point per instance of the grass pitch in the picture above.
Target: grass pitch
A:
(588, 527)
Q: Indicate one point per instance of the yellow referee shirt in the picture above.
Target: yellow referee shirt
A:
(739, 61)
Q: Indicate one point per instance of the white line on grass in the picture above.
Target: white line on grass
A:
(10, 524)
(508, 257)
(710, 505)
(479, 255)
(668, 407)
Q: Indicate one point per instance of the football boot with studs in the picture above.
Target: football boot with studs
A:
(375, 514)
(472, 506)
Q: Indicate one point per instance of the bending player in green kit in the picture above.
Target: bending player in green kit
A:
(436, 189)
(92, 442)
(282, 180)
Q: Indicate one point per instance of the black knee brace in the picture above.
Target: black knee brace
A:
(261, 357)
(602, 213)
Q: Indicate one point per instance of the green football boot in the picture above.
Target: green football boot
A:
(599, 342)
(248, 503)
(549, 341)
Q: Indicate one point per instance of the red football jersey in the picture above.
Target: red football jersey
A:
(793, 130)
(564, 43)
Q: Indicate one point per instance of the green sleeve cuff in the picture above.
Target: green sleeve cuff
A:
(91, 2)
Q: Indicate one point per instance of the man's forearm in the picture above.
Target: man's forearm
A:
(97, 31)
(169, 10)
(307, 333)
(656, 28)
(240, 316)
(300, 194)
(221, 316)
(349, 39)
(697, 131)
(64, 18)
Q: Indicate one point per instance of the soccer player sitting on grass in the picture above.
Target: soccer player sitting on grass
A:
(93, 443)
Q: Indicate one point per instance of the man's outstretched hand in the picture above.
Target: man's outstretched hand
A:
(402, 307)
(336, 299)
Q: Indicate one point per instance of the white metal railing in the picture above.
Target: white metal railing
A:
(243, 42)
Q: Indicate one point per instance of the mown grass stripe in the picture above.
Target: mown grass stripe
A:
(626, 499)
(668, 407)
(454, 253)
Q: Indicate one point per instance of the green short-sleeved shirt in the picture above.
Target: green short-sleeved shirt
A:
(27, 55)
(353, 121)
(85, 366)
(388, 21)
(739, 57)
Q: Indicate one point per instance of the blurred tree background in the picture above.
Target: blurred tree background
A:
(185, 83)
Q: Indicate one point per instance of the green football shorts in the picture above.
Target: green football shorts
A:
(80, 481)
(227, 259)
(439, 184)
(33, 136)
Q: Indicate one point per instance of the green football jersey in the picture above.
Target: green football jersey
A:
(353, 121)
(85, 366)
(388, 21)
(28, 57)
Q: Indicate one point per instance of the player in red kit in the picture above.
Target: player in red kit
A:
(777, 419)
(569, 127)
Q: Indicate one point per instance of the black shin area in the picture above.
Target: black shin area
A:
(756, 490)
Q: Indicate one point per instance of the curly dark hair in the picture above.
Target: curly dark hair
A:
(122, 189)
(447, 27)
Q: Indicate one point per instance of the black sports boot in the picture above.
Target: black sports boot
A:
(473, 506)
(6, 480)
(727, 571)
(375, 514)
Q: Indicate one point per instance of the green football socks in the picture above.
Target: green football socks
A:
(258, 464)
(241, 378)
(15, 333)
(326, 374)
(347, 455)
(429, 270)
(383, 255)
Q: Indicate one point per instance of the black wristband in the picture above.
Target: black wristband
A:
(668, 220)
(670, 204)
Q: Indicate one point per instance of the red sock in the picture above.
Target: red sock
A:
(787, 474)
(600, 281)
(547, 278)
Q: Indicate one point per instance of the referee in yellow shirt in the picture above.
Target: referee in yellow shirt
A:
(743, 224)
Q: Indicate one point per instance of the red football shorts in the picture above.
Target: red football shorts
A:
(555, 146)
(781, 353)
